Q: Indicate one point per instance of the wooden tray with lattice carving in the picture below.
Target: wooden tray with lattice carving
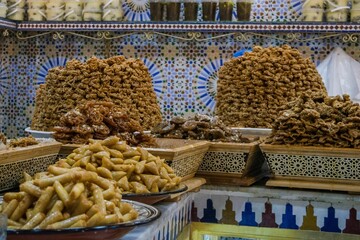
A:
(184, 156)
(310, 167)
(239, 164)
(31, 159)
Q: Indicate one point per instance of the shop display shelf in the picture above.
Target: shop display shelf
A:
(216, 26)
(186, 31)
(269, 27)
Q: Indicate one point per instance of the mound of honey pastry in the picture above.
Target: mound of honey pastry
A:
(317, 120)
(125, 82)
(99, 120)
(252, 87)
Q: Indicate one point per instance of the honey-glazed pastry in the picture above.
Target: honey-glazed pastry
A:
(251, 88)
(125, 82)
(318, 120)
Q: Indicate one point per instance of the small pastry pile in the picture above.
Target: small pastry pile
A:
(17, 142)
(318, 120)
(99, 120)
(23, 142)
(199, 127)
(2, 141)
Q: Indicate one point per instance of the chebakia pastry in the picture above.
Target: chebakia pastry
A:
(318, 120)
(125, 82)
(252, 87)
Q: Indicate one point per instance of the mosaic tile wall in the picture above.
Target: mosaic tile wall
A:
(184, 72)
(252, 209)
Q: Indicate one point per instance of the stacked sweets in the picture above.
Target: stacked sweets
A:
(124, 82)
(36, 10)
(55, 10)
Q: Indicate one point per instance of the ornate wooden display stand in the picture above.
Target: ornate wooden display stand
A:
(242, 164)
(234, 179)
(322, 168)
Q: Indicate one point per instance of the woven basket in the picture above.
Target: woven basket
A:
(31, 159)
(184, 156)
(233, 164)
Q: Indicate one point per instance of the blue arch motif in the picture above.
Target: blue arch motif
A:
(136, 10)
(50, 63)
(4, 81)
(157, 77)
(206, 83)
(155, 72)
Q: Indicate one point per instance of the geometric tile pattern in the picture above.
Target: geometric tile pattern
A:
(184, 72)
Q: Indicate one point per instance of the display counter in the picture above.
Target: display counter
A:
(257, 212)
(174, 217)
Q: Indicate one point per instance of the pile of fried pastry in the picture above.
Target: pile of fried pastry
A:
(99, 120)
(85, 189)
(16, 142)
(252, 87)
(318, 120)
(125, 82)
(199, 127)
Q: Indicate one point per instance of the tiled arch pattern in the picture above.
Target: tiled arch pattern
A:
(184, 72)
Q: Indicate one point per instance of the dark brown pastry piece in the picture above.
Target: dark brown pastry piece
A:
(99, 120)
(199, 127)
